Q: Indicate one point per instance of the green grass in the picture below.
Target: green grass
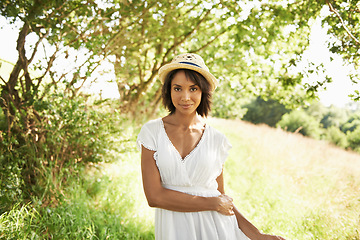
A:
(106, 204)
(284, 183)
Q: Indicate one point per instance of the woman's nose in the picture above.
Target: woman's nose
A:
(186, 95)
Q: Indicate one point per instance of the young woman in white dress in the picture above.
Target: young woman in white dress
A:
(182, 161)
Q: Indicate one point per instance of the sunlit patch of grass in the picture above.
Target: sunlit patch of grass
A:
(120, 190)
(19, 223)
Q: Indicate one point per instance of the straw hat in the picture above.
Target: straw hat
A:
(190, 61)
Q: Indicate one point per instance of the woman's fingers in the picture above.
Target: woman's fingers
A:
(226, 206)
(228, 197)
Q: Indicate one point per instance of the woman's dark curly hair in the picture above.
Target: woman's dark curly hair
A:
(205, 104)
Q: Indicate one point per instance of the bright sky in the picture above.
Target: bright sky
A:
(337, 92)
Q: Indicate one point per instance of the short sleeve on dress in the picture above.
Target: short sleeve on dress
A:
(225, 146)
(146, 138)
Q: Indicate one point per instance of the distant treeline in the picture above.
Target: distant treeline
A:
(340, 126)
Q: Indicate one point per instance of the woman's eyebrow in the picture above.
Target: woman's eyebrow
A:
(177, 85)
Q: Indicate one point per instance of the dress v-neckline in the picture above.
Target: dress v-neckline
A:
(177, 151)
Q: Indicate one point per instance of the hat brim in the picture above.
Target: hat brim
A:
(167, 68)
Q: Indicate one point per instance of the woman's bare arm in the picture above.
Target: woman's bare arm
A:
(246, 227)
(160, 197)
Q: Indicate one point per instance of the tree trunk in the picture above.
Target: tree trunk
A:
(11, 101)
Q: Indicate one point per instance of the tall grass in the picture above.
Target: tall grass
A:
(104, 205)
(284, 183)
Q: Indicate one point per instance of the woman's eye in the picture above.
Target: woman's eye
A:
(176, 89)
(193, 89)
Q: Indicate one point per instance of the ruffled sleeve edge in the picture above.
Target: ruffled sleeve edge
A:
(224, 150)
(140, 143)
(147, 136)
(224, 147)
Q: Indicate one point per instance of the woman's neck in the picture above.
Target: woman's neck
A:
(185, 121)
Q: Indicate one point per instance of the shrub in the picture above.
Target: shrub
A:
(336, 136)
(317, 110)
(352, 123)
(261, 111)
(300, 121)
(334, 117)
(65, 134)
(354, 139)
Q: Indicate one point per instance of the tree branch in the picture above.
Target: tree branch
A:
(21, 61)
(210, 42)
(342, 22)
(37, 45)
(49, 65)
(89, 71)
(3, 80)
(186, 35)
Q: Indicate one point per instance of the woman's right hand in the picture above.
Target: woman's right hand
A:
(225, 205)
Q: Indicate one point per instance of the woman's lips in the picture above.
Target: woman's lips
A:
(186, 106)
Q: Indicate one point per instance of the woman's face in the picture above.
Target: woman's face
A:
(185, 94)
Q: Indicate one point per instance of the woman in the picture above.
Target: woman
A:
(182, 161)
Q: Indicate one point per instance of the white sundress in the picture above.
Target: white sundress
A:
(196, 175)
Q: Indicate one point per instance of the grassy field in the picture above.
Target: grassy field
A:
(292, 185)
(284, 183)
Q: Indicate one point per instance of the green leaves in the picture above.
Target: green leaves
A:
(252, 43)
(344, 25)
(355, 96)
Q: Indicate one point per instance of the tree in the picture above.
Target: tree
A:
(336, 136)
(268, 112)
(242, 47)
(160, 31)
(351, 124)
(354, 139)
(334, 117)
(31, 145)
(246, 40)
(59, 24)
(300, 122)
(343, 24)
(317, 110)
